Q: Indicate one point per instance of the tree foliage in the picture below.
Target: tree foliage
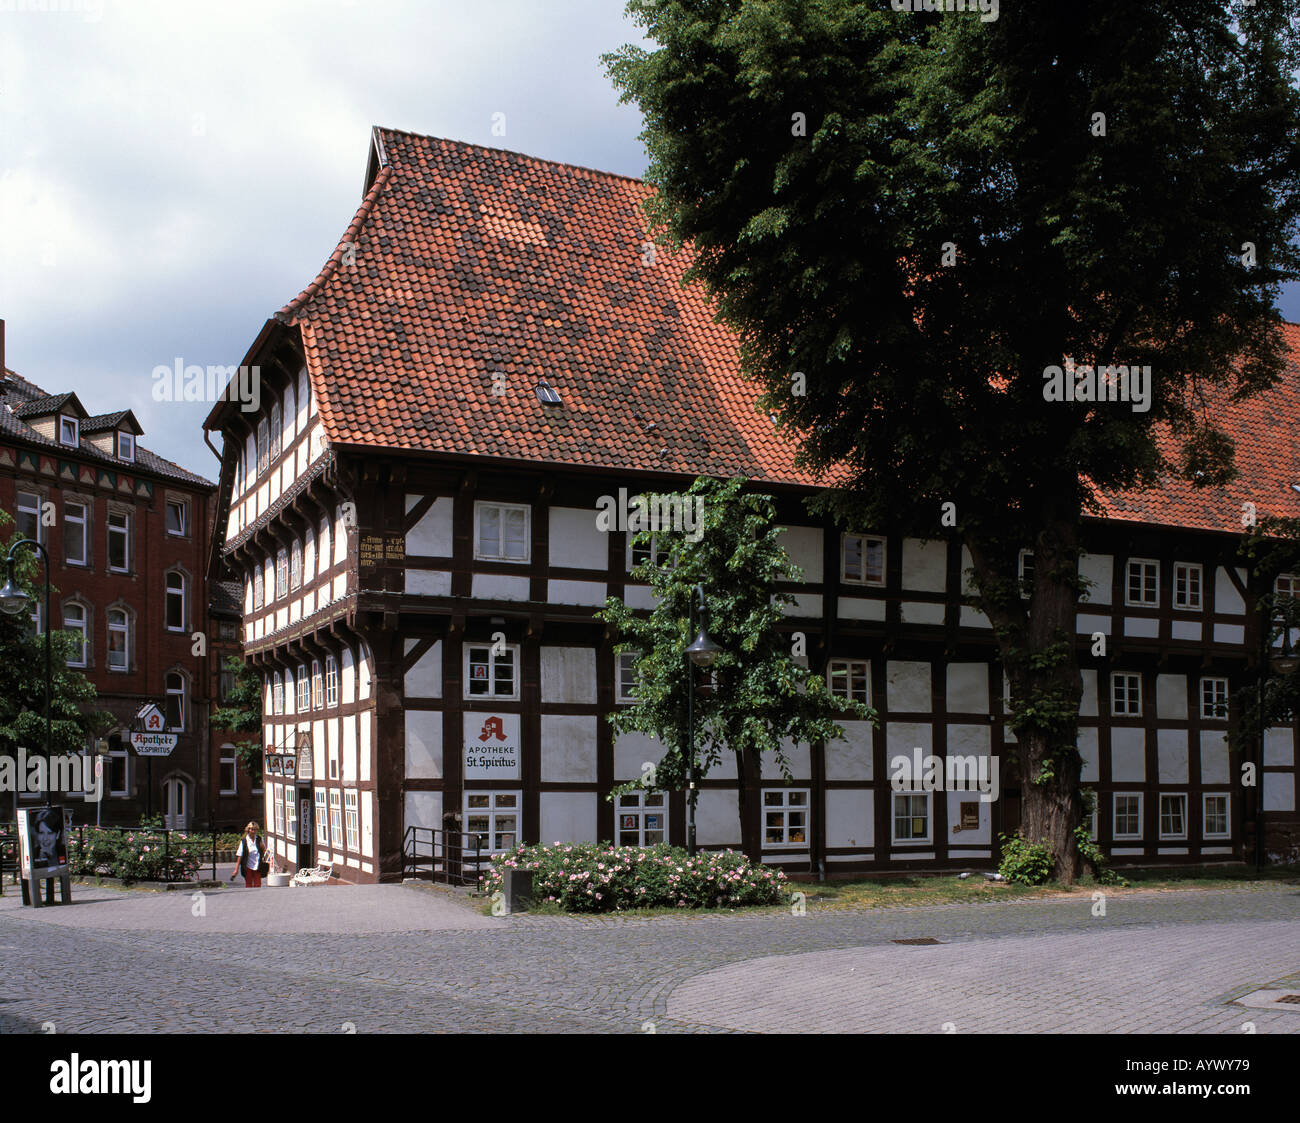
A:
(242, 713)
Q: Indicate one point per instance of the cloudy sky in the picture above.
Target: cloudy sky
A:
(172, 173)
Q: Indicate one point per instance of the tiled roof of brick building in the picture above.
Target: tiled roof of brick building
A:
(468, 275)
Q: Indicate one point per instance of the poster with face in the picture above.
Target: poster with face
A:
(47, 841)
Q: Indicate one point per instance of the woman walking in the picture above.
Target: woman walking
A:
(252, 858)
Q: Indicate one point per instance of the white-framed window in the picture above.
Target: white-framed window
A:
(489, 675)
(1092, 819)
(277, 430)
(862, 559)
(263, 446)
(317, 686)
(1187, 586)
(291, 812)
(351, 818)
(1127, 815)
(911, 817)
(177, 518)
(176, 606)
(119, 541)
(494, 816)
(119, 639)
(77, 620)
(1142, 587)
(76, 536)
(1286, 585)
(331, 681)
(336, 818)
(68, 431)
(176, 716)
(259, 590)
(651, 551)
(1214, 698)
(1173, 815)
(849, 678)
(281, 573)
(1126, 694)
(304, 689)
(501, 532)
(1215, 822)
(125, 446)
(277, 797)
(322, 818)
(785, 817)
(627, 676)
(277, 694)
(295, 565)
(229, 773)
(117, 767)
(1026, 573)
(642, 819)
(29, 516)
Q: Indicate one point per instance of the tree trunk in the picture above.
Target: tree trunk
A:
(748, 846)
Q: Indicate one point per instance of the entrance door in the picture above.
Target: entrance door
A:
(176, 803)
(305, 833)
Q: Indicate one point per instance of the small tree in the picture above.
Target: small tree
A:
(761, 695)
(242, 713)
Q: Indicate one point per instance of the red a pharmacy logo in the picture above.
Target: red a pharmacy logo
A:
(493, 727)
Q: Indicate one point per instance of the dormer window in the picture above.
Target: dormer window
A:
(68, 431)
(125, 446)
(547, 394)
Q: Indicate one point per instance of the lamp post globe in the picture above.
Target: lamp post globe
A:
(12, 599)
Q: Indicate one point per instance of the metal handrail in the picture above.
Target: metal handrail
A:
(431, 854)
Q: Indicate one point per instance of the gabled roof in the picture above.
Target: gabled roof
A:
(468, 275)
(122, 419)
(49, 404)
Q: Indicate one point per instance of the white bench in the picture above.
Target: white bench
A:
(317, 875)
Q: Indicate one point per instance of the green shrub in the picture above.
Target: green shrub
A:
(141, 854)
(598, 877)
(1029, 863)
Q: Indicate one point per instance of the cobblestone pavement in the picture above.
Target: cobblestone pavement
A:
(129, 960)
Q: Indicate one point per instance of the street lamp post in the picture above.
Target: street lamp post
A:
(702, 653)
(13, 601)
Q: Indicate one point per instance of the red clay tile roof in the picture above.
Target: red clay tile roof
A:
(463, 262)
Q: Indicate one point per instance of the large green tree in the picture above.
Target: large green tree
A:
(242, 713)
(908, 219)
(763, 691)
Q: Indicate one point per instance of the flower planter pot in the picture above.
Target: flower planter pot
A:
(278, 878)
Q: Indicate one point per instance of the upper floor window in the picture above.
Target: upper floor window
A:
(263, 446)
(176, 602)
(29, 516)
(176, 701)
(863, 559)
(491, 674)
(1287, 585)
(1187, 586)
(76, 534)
(317, 686)
(502, 533)
(331, 681)
(848, 678)
(304, 689)
(1143, 584)
(281, 573)
(75, 620)
(277, 694)
(295, 565)
(119, 541)
(1026, 572)
(68, 434)
(652, 551)
(309, 556)
(178, 522)
(125, 446)
(1214, 698)
(119, 639)
(1126, 694)
(627, 675)
(277, 431)
(258, 592)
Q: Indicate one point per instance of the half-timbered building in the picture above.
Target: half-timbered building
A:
(411, 512)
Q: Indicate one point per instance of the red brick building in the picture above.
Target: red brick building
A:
(128, 536)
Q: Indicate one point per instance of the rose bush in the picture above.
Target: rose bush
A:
(134, 855)
(598, 877)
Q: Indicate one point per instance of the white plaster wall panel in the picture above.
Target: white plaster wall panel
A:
(363, 727)
(980, 834)
(363, 673)
(1185, 630)
(309, 602)
(428, 582)
(424, 744)
(349, 749)
(716, 818)
(273, 485)
(318, 758)
(424, 809)
(1087, 623)
(320, 735)
(281, 618)
(852, 758)
(805, 605)
(1229, 633)
(1099, 569)
(639, 596)
(590, 593)
(917, 612)
(568, 674)
(424, 679)
(575, 540)
(967, 563)
(568, 817)
(1088, 698)
(1279, 747)
(367, 824)
(725, 768)
(1214, 757)
(340, 538)
(1141, 627)
(968, 688)
(1171, 697)
(973, 618)
(907, 686)
(295, 611)
(286, 475)
(969, 740)
(1279, 791)
(850, 817)
(1227, 601)
(1088, 749)
(340, 589)
(569, 748)
(1171, 755)
(495, 586)
(1128, 755)
(797, 756)
(902, 738)
(804, 545)
(347, 677)
(860, 608)
(631, 751)
(925, 565)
